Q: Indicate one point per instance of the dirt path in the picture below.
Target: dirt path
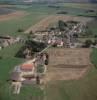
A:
(13, 15)
(43, 24)
(68, 64)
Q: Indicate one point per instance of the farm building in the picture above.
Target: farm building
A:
(27, 69)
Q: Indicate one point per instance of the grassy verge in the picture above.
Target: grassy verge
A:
(94, 57)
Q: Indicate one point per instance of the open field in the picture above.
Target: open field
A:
(68, 64)
(11, 16)
(82, 89)
(43, 24)
(32, 15)
(79, 5)
(93, 26)
(94, 57)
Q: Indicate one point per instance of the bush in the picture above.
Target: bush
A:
(20, 30)
(30, 32)
(88, 43)
(62, 25)
(34, 46)
(62, 12)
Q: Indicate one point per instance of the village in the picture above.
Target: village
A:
(33, 71)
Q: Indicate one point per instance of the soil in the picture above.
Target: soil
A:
(68, 64)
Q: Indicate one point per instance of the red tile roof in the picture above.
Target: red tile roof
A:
(27, 67)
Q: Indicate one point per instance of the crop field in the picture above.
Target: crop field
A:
(24, 20)
(68, 64)
(79, 5)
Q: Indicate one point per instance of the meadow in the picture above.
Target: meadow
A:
(33, 15)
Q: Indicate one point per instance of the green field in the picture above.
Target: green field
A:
(80, 5)
(36, 12)
(83, 89)
(33, 15)
(93, 26)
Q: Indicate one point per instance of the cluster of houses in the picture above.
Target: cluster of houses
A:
(55, 37)
(30, 72)
(49, 37)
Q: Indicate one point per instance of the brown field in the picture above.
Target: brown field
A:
(13, 15)
(68, 64)
(43, 24)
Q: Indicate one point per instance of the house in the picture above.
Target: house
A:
(27, 69)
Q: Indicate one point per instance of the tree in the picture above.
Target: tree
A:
(62, 25)
(20, 30)
(30, 32)
(88, 43)
(75, 35)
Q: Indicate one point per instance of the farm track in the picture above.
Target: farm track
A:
(43, 24)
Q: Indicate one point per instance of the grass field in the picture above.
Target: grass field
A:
(79, 9)
(83, 89)
(94, 57)
(93, 26)
(34, 14)
(79, 5)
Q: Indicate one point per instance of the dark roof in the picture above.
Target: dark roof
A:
(15, 76)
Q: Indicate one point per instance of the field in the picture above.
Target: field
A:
(32, 15)
(68, 64)
(93, 26)
(79, 5)
(78, 82)
(43, 24)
